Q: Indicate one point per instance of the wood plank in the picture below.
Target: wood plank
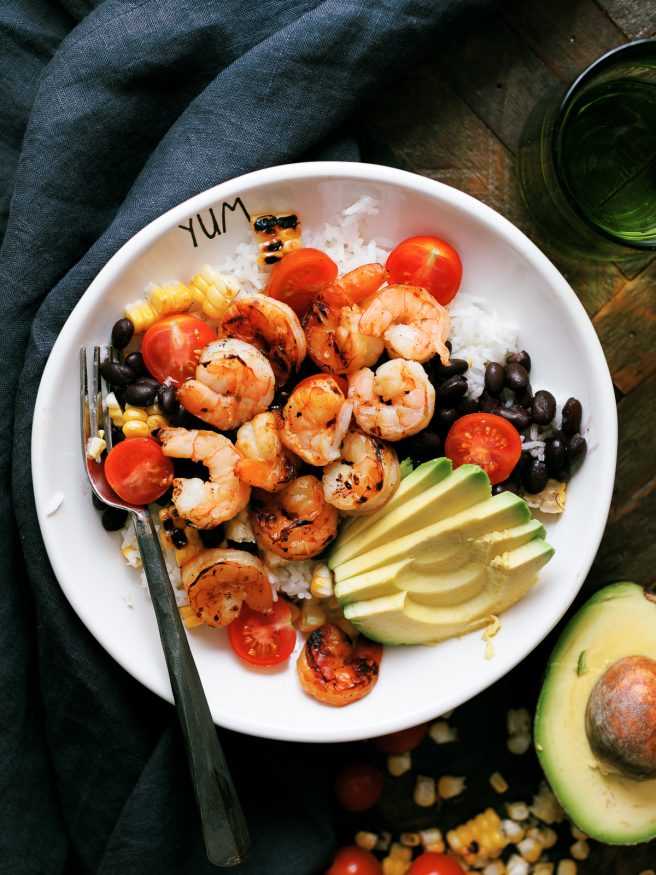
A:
(498, 76)
(637, 427)
(637, 18)
(567, 35)
(627, 329)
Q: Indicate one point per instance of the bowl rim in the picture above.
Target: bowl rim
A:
(322, 171)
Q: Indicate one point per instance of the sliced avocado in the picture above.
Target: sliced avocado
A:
(433, 547)
(618, 622)
(401, 619)
(351, 540)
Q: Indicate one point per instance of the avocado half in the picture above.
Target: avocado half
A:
(618, 622)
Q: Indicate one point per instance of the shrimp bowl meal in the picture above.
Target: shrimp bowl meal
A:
(375, 432)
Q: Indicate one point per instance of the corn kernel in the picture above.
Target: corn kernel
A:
(517, 810)
(366, 840)
(399, 860)
(96, 446)
(514, 831)
(498, 867)
(189, 617)
(579, 834)
(498, 782)
(519, 744)
(480, 838)
(399, 763)
(530, 849)
(545, 807)
(213, 292)
(383, 841)
(566, 867)
(425, 794)
(156, 421)
(134, 413)
(449, 786)
(518, 721)
(410, 839)
(517, 866)
(154, 410)
(543, 869)
(170, 298)
(141, 314)
(432, 840)
(136, 428)
(546, 836)
(347, 627)
(114, 409)
(312, 616)
(442, 733)
(322, 585)
(580, 850)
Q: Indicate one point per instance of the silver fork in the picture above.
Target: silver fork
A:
(224, 828)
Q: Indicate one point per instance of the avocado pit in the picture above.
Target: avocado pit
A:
(620, 718)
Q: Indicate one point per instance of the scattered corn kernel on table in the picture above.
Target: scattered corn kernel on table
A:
(458, 119)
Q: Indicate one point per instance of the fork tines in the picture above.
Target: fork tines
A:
(91, 399)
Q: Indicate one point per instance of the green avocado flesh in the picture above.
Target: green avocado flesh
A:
(618, 621)
(440, 559)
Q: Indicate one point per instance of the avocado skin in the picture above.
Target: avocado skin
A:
(617, 621)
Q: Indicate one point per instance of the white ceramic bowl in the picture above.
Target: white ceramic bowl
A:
(416, 683)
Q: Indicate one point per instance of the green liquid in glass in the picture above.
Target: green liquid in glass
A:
(608, 157)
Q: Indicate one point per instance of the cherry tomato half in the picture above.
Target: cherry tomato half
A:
(428, 262)
(487, 440)
(299, 276)
(172, 346)
(430, 863)
(352, 860)
(401, 741)
(263, 639)
(138, 471)
(358, 786)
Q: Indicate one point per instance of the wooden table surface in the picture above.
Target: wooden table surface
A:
(458, 118)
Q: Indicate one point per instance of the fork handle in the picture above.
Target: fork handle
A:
(224, 827)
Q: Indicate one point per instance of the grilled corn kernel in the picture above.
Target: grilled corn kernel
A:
(136, 428)
(498, 867)
(545, 806)
(517, 866)
(192, 548)
(410, 839)
(189, 617)
(498, 782)
(580, 850)
(312, 616)
(514, 831)
(425, 793)
(449, 786)
(114, 409)
(141, 314)
(543, 834)
(517, 810)
(399, 763)
(170, 298)
(321, 584)
(156, 421)
(442, 733)
(530, 849)
(480, 838)
(366, 840)
(276, 236)
(432, 840)
(566, 867)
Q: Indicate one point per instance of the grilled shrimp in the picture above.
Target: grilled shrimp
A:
(335, 670)
(218, 582)
(264, 462)
(272, 327)
(395, 402)
(205, 504)
(295, 523)
(315, 419)
(335, 343)
(412, 323)
(365, 477)
(234, 382)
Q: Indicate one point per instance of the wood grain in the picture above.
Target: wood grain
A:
(636, 18)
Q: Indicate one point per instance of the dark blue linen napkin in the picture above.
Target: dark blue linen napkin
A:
(111, 113)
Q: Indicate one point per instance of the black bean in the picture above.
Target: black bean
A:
(572, 414)
(494, 378)
(466, 406)
(122, 333)
(525, 397)
(516, 376)
(512, 484)
(577, 447)
(543, 408)
(168, 400)
(554, 454)
(521, 358)
(445, 417)
(142, 393)
(165, 498)
(455, 367)
(182, 419)
(117, 374)
(117, 435)
(535, 476)
(135, 361)
(179, 538)
(421, 447)
(211, 537)
(114, 518)
(97, 502)
(516, 416)
(451, 390)
(487, 403)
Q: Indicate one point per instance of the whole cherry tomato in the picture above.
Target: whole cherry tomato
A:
(487, 440)
(428, 262)
(430, 863)
(358, 786)
(352, 860)
(171, 347)
(138, 471)
(401, 741)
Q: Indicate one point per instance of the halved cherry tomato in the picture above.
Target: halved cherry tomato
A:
(172, 346)
(138, 471)
(263, 639)
(487, 440)
(352, 860)
(358, 786)
(401, 741)
(431, 863)
(299, 276)
(428, 262)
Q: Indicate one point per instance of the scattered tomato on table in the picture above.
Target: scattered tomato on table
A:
(401, 741)
(358, 786)
(430, 863)
(352, 860)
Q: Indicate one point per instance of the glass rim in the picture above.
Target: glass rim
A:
(599, 64)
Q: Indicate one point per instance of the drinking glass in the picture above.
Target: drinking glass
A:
(587, 157)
